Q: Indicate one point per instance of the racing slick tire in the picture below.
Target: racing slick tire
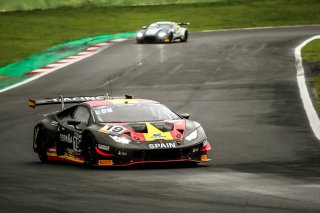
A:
(184, 38)
(170, 37)
(90, 154)
(41, 144)
(140, 41)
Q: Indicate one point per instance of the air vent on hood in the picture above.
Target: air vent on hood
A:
(140, 127)
(181, 131)
(164, 127)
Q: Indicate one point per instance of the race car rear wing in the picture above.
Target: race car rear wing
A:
(183, 23)
(69, 100)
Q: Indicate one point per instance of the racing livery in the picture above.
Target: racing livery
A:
(163, 32)
(102, 131)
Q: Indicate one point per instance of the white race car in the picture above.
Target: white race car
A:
(163, 32)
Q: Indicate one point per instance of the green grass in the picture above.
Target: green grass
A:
(311, 53)
(14, 5)
(28, 32)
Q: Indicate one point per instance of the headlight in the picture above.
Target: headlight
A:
(162, 34)
(120, 139)
(192, 136)
(139, 35)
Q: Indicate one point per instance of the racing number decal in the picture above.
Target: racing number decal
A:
(112, 128)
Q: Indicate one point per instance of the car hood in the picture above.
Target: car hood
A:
(153, 31)
(147, 131)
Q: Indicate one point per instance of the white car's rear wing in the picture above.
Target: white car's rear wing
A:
(183, 23)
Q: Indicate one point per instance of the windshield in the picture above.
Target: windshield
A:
(160, 26)
(133, 113)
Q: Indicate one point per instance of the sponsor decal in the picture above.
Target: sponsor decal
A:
(103, 147)
(204, 158)
(122, 153)
(87, 98)
(103, 111)
(195, 150)
(112, 129)
(114, 134)
(136, 138)
(32, 103)
(72, 152)
(54, 123)
(53, 149)
(74, 140)
(124, 102)
(156, 134)
(105, 162)
(162, 145)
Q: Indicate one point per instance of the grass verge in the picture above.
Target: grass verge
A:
(311, 54)
(14, 5)
(28, 32)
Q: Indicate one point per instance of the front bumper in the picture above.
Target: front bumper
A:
(153, 39)
(126, 157)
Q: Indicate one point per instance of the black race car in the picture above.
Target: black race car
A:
(100, 131)
(163, 32)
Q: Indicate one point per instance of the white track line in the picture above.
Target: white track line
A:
(43, 73)
(306, 100)
(38, 73)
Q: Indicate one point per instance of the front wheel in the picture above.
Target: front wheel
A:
(184, 38)
(140, 41)
(90, 153)
(41, 145)
(170, 38)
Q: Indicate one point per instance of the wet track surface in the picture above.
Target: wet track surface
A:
(241, 85)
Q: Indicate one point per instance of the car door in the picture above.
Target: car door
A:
(176, 30)
(71, 129)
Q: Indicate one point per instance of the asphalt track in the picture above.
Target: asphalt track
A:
(241, 85)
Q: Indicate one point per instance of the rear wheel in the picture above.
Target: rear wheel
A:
(41, 144)
(90, 153)
(170, 37)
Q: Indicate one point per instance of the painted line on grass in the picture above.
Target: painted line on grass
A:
(304, 93)
(38, 73)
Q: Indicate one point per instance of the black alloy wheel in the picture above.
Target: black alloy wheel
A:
(90, 153)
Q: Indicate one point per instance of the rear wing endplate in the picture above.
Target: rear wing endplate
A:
(69, 100)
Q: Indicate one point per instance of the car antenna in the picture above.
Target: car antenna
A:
(108, 95)
(62, 102)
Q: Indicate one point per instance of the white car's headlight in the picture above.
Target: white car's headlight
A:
(192, 136)
(120, 139)
(162, 34)
(139, 35)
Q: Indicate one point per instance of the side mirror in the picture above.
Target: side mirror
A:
(73, 122)
(144, 27)
(185, 115)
